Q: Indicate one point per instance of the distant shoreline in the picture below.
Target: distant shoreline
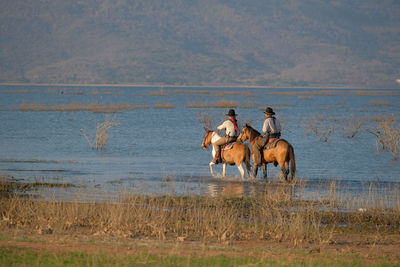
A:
(180, 86)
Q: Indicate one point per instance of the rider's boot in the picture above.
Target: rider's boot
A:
(217, 159)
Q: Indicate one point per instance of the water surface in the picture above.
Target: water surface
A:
(157, 150)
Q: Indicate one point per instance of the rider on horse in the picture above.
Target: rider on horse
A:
(271, 129)
(230, 135)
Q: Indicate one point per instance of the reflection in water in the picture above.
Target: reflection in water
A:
(226, 189)
(241, 189)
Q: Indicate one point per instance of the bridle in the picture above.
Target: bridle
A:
(209, 136)
(242, 136)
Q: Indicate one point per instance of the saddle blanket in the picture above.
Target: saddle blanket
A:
(272, 143)
(228, 146)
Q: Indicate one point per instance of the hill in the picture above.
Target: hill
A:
(260, 42)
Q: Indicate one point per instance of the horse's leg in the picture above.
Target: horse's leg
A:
(248, 169)
(223, 170)
(255, 167)
(265, 170)
(211, 168)
(241, 170)
(247, 162)
(286, 169)
(285, 173)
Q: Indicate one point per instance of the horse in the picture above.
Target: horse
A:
(238, 154)
(282, 154)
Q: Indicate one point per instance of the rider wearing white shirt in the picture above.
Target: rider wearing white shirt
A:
(231, 130)
(272, 127)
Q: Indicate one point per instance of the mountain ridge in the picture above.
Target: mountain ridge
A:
(311, 43)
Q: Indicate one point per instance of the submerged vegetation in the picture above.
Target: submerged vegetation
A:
(8, 186)
(336, 92)
(101, 138)
(220, 104)
(79, 107)
(386, 130)
(211, 93)
(387, 133)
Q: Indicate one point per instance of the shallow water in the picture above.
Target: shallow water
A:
(157, 150)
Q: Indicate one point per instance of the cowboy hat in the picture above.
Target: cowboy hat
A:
(231, 113)
(269, 110)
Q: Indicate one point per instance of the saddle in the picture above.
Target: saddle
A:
(272, 142)
(228, 146)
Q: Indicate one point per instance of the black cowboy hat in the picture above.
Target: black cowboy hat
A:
(231, 113)
(269, 110)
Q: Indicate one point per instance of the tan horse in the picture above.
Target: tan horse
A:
(282, 154)
(238, 154)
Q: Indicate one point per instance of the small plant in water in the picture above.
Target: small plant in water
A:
(321, 127)
(101, 139)
(387, 135)
(205, 119)
(353, 126)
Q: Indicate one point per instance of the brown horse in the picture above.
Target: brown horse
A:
(282, 154)
(238, 154)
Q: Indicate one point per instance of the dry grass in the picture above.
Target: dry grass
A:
(80, 107)
(273, 216)
(216, 93)
(164, 105)
(336, 92)
(16, 91)
(380, 103)
(220, 104)
(96, 93)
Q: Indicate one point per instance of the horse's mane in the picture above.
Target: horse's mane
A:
(254, 131)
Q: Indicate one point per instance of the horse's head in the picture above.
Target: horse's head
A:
(244, 134)
(248, 132)
(207, 138)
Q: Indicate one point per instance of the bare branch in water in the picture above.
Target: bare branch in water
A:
(102, 133)
(101, 139)
(321, 127)
(205, 120)
(353, 126)
(387, 135)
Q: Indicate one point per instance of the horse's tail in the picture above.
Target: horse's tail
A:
(292, 162)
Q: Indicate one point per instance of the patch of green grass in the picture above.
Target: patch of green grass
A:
(13, 256)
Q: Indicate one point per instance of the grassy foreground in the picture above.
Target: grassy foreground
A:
(29, 258)
(48, 252)
(17, 257)
(279, 227)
